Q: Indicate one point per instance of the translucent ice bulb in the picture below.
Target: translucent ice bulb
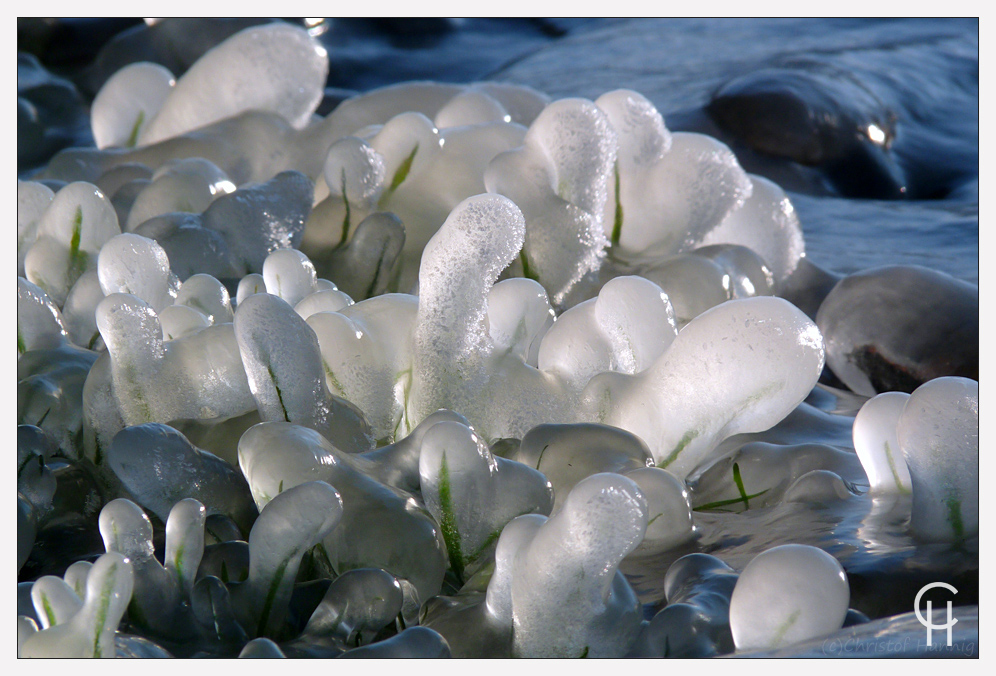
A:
(788, 594)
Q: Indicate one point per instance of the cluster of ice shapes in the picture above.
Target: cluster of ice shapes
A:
(480, 346)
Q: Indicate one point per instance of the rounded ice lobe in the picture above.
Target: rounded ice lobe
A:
(158, 466)
(276, 67)
(669, 509)
(767, 224)
(39, 323)
(471, 107)
(876, 442)
(788, 594)
(289, 275)
(289, 525)
(460, 264)
(71, 232)
(568, 597)
(740, 367)
(938, 431)
(569, 453)
(472, 493)
(187, 185)
(32, 200)
(399, 534)
(283, 363)
(137, 265)
(90, 631)
(896, 327)
(559, 179)
(127, 102)
(354, 171)
(624, 329)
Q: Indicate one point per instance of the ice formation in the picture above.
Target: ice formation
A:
(423, 376)
(877, 443)
(803, 589)
(938, 432)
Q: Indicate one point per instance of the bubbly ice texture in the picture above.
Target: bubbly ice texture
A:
(938, 432)
(568, 598)
(876, 442)
(90, 631)
(788, 594)
(275, 67)
(473, 494)
(459, 265)
(70, 234)
(559, 179)
(767, 224)
(128, 102)
(624, 329)
(709, 384)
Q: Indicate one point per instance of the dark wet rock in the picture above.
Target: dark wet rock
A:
(816, 116)
(896, 327)
(68, 531)
(51, 114)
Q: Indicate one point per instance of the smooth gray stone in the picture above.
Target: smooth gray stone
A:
(895, 327)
